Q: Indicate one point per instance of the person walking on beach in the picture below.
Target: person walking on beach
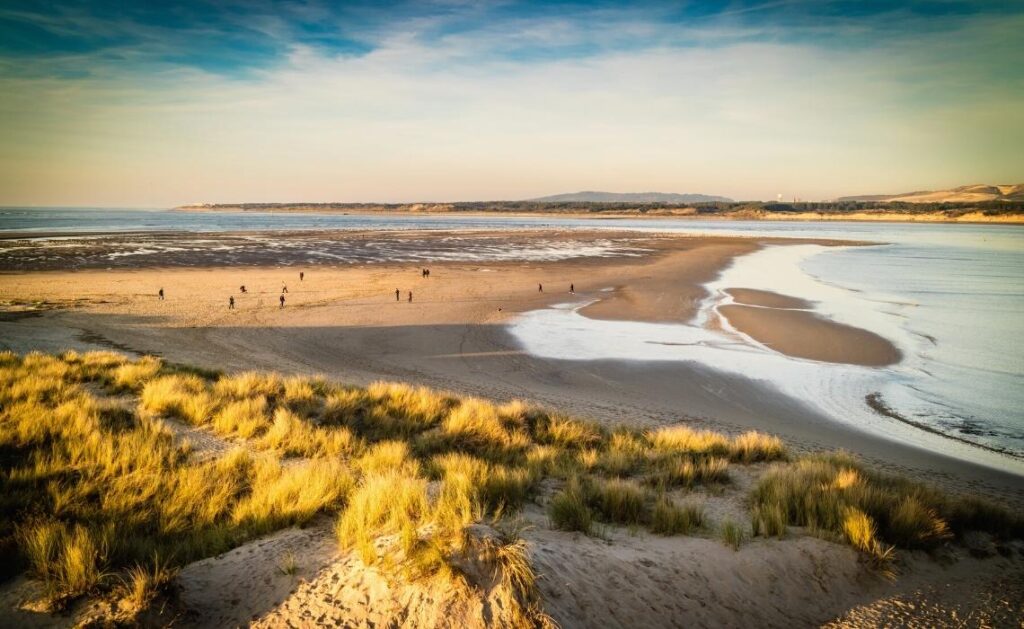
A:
(241, 288)
(540, 288)
(398, 295)
(231, 302)
(284, 288)
(423, 272)
(410, 297)
(160, 293)
(572, 288)
(282, 301)
(302, 275)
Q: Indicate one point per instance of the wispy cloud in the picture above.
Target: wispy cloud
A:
(505, 100)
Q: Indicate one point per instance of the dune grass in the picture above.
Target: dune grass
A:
(732, 534)
(96, 491)
(667, 518)
(837, 496)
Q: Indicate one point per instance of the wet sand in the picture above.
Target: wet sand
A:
(804, 334)
(767, 299)
(344, 321)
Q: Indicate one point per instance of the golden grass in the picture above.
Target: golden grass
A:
(384, 503)
(859, 530)
(142, 583)
(687, 471)
(835, 494)
(680, 439)
(69, 560)
(249, 384)
(92, 489)
(245, 418)
(750, 447)
(292, 435)
(184, 397)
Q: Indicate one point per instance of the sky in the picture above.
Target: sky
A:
(156, 104)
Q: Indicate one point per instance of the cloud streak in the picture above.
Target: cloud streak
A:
(492, 101)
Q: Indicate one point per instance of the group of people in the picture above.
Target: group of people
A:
(302, 276)
(424, 272)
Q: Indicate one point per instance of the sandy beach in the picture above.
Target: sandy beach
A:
(345, 321)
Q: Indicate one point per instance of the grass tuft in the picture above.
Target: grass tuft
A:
(667, 518)
(568, 509)
(732, 534)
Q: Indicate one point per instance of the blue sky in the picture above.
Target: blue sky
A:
(158, 103)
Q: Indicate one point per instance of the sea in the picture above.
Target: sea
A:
(949, 296)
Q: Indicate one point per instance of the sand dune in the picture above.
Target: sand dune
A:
(973, 193)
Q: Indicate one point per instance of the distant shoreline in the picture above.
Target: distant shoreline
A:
(966, 215)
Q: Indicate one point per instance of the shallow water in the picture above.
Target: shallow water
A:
(951, 297)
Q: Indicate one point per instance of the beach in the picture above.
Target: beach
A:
(345, 321)
(472, 327)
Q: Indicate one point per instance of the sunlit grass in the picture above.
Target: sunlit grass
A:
(97, 491)
(835, 494)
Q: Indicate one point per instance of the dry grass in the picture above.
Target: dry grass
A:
(142, 583)
(731, 534)
(384, 503)
(91, 491)
(291, 435)
(687, 471)
(836, 495)
(70, 560)
(667, 518)
(568, 509)
(245, 418)
(750, 447)
(618, 501)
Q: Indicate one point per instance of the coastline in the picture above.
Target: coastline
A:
(974, 217)
(343, 321)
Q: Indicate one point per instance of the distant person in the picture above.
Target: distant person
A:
(410, 297)
(282, 301)
(160, 293)
(284, 288)
(231, 303)
(398, 295)
(423, 272)
(540, 288)
(241, 289)
(302, 275)
(572, 288)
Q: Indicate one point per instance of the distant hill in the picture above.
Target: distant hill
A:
(964, 194)
(590, 196)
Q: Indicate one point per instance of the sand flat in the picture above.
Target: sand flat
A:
(807, 335)
(767, 299)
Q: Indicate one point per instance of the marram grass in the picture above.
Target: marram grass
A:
(97, 496)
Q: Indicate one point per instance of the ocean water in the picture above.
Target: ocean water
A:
(951, 297)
